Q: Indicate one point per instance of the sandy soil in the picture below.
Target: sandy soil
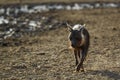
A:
(46, 56)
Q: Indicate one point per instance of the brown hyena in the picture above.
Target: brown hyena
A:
(80, 40)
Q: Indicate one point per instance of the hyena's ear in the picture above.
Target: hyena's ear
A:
(69, 27)
(84, 25)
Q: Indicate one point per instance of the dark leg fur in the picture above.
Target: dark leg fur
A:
(84, 54)
(79, 51)
(76, 58)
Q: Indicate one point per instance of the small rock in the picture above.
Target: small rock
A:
(21, 66)
(42, 53)
(95, 37)
(114, 29)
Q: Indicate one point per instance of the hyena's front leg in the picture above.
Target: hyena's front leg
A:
(79, 52)
(79, 55)
(80, 65)
(76, 57)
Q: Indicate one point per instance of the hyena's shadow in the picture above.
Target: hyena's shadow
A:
(111, 74)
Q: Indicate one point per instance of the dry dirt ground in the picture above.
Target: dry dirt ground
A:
(46, 56)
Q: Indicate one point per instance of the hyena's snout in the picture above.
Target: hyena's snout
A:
(74, 43)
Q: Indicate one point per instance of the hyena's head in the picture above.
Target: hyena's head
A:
(76, 35)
